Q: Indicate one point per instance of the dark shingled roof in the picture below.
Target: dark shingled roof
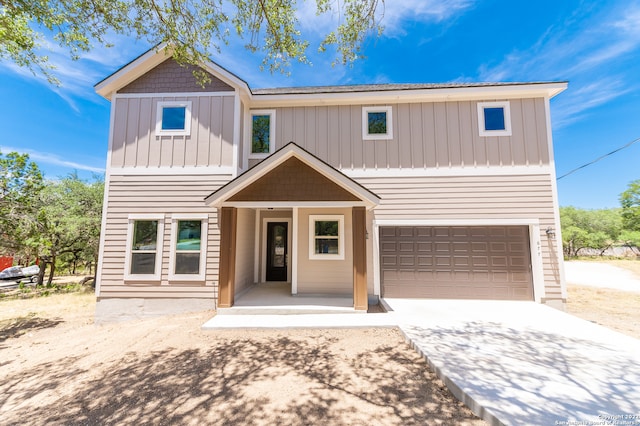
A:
(379, 88)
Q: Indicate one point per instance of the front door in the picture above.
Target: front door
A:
(277, 251)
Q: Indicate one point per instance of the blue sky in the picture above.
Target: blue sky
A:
(595, 45)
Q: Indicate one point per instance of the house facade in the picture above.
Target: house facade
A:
(397, 190)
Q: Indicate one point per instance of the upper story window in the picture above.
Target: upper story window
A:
(262, 133)
(377, 122)
(173, 118)
(494, 118)
(326, 237)
(144, 247)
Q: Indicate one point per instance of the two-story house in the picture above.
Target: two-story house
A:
(366, 191)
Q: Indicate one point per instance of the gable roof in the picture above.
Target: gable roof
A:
(351, 190)
(149, 60)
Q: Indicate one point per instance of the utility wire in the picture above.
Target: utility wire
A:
(599, 158)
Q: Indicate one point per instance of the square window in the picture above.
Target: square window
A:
(377, 123)
(188, 242)
(262, 133)
(494, 118)
(173, 118)
(144, 248)
(326, 237)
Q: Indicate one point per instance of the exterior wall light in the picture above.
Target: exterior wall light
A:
(550, 232)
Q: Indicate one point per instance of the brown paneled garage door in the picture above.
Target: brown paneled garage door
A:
(456, 262)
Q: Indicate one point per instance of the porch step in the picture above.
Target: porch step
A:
(287, 310)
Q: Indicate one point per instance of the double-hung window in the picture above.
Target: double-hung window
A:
(262, 133)
(144, 247)
(326, 237)
(188, 244)
(173, 118)
(494, 118)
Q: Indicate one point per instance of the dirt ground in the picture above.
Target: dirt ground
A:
(57, 367)
(615, 309)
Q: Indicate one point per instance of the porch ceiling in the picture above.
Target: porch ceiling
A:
(292, 175)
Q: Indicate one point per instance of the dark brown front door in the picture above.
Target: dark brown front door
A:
(277, 251)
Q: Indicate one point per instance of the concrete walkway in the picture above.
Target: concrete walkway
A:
(512, 363)
(522, 363)
(595, 274)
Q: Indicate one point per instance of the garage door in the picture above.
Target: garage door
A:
(453, 262)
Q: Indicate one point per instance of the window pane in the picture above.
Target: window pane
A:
(260, 134)
(173, 118)
(327, 228)
(188, 235)
(145, 234)
(143, 263)
(187, 263)
(377, 123)
(494, 119)
(326, 246)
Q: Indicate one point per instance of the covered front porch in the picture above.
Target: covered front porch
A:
(294, 220)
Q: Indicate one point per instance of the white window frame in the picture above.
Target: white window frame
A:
(365, 123)
(272, 132)
(312, 237)
(204, 226)
(506, 107)
(187, 118)
(128, 276)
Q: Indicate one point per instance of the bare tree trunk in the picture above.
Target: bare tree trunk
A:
(52, 270)
(43, 265)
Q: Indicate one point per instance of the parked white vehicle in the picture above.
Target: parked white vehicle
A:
(16, 273)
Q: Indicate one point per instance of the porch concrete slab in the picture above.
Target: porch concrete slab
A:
(300, 321)
(520, 363)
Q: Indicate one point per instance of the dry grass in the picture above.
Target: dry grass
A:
(618, 310)
(628, 264)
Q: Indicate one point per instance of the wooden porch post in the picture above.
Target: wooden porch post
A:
(359, 227)
(227, 268)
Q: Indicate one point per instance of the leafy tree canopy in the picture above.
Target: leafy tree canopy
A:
(630, 203)
(194, 27)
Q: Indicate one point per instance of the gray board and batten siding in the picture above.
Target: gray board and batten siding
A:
(425, 135)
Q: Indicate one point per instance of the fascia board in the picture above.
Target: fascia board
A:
(125, 75)
(545, 90)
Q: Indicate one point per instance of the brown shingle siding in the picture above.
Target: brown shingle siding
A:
(170, 77)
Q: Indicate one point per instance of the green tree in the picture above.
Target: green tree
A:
(630, 202)
(21, 182)
(67, 222)
(193, 27)
(596, 229)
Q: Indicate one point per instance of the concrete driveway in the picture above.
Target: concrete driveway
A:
(523, 363)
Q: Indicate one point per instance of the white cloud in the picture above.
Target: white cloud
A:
(52, 159)
(590, 51)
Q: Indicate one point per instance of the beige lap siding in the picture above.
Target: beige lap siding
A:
(167, 195)
(474, 198)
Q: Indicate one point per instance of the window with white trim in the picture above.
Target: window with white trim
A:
(262, 133)
(173, 118)
(188, 247)
(144, 247)
(326, 237)
(494, 118)
(377, 123)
